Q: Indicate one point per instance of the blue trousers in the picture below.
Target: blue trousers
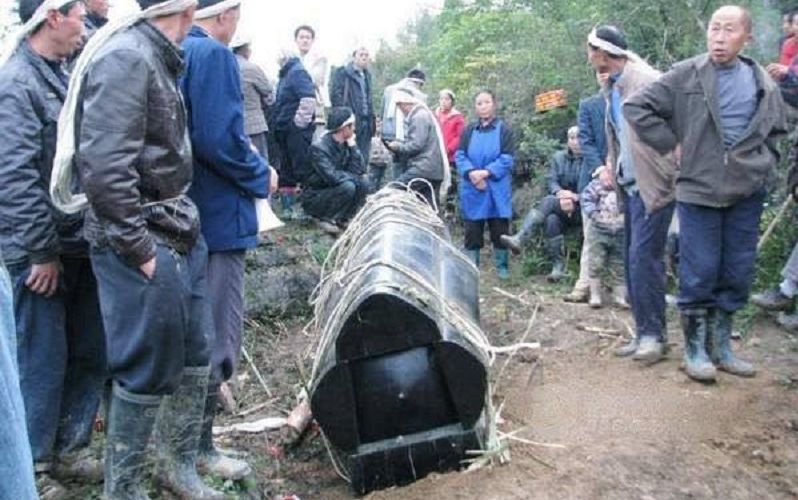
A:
(717, 253)
(16, 463)
(61, 356)
(154, 327)
(644, 261)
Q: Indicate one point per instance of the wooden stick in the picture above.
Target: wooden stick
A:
(510, 296)
(529, 325)
(257, 372)
(772, 226)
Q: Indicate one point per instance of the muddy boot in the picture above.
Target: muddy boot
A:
(773, 300)
(80, 465)
(696, 361)
(619, 295)
(555, 250)
(788, 321)
(178, 433)
(595, 293)
(502, 259)
(210, 461)
(516, 243)
(130, 422)
(649, 350)
(720, 350)
(627, 349)
(473, 255)
(578, 295)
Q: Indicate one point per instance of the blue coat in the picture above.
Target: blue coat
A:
(228, 174)
(295, 84)
(489, 148)
(592, 137)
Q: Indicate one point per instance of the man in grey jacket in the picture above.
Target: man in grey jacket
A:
(724, 113)
(421, 148)
(59, 339)
(258, 95)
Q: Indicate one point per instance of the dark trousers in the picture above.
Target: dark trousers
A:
(294, 146)
(226, 298)
(717, 253)
(154, 327)
(363, 131)
(644, 261)
(554, 219)
(338, 203)
(475, 229)
(61, 358)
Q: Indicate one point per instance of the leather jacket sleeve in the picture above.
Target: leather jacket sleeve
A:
(110, 141)
(24, 200)
(324, 165)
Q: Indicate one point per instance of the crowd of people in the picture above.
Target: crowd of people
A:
(134, 152)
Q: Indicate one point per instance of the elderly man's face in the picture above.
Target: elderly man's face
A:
(726, 34)
(573, 142)
(68, 29)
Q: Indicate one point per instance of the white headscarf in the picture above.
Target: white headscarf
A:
(38, 17)
(61, 178)
(216, 9)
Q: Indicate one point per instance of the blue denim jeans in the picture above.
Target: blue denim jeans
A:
(646, 236)
(154, 327)
(61, 356)
(717, 253)
(16, 463)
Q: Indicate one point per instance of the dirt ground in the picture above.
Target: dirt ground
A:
(628, 431)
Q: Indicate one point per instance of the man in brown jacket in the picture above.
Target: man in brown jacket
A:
(644, 180)
(723, 112)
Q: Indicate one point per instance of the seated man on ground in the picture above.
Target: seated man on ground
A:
(559, 209)
(335, 189)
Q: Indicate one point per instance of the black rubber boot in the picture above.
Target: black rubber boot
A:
(555, 248)
(516, 242)
(130, 422)
(719, 344)
(177, 436)
(697, 364)
(210, 460)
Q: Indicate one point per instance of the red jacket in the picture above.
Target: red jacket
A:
(789, 50)
(452, 125)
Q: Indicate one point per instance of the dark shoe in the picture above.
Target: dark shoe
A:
(178, 434)
(577, 295)
(789, 322)
(502, 259)
(328, 227)
(514, 243)
(80, 465)
(650, 350)
(696, 361)
(628, 349)
(595, 294)
(773, 300)
(720, 346)
(210, 460)
(130, 422)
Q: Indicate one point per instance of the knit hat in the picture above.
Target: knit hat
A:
(340, 117)
(450, 93)
(210, 8)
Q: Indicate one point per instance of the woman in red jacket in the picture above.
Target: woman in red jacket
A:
(452, 123)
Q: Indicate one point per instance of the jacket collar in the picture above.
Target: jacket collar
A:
(171, 53)
(40, 65)
(709, 84)
(289, 65)
(488, 126)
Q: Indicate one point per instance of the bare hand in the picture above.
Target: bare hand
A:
(274, 181)
(603, 80)
(481, 185)
(567, 205)
(393, 145)
(43, 278)
(148, 268)
(677, 155)
(607, 177)
(777, 71)
(565, 193)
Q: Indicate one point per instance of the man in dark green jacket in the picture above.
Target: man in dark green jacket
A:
(723, 113)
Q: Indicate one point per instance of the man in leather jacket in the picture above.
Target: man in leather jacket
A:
(59, 336)
(335, 188)
(134, 158)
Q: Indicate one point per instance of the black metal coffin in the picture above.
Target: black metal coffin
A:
(399, 391)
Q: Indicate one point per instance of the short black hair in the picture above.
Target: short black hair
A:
(28, 7)
(417, 74)
(307, 28)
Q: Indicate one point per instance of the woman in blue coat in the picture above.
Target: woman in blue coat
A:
(484, 164)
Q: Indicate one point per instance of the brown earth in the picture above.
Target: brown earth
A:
(629, 431)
